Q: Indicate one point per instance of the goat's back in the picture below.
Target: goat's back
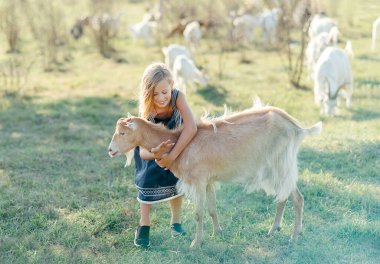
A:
(254, 147)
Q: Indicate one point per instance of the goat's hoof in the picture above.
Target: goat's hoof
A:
(216, 232)
(294, 237)
(273, 230)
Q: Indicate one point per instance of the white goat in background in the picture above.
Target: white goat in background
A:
(317, 45)
(321, 23)
(185, 73)
(333, 77)
(269, 25)
(103, 23)
(243, 28)
(192, 35)
(145, 30)
(172, 51)
(375, 25)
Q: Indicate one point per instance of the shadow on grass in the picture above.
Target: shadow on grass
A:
(359, 162)
(213, 94)
(90, 111)
(364, 115)
(373, 83)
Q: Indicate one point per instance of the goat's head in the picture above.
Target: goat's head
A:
(203, 79)
(329, 106)
(77, 30)
(125, 137)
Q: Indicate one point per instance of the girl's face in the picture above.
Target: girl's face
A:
(162, 94)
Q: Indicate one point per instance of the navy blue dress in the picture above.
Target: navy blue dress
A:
(155, 184)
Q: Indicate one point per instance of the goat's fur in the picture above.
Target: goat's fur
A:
(256, 147)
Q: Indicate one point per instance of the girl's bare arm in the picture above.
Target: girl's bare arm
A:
(188, 132)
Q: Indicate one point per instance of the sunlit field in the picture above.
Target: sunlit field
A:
(64, 200)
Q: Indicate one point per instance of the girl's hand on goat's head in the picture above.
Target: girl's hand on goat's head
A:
(162, 148)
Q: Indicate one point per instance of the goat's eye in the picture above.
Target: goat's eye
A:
(122, 133)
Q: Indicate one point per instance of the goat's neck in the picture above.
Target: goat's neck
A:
(152, 136)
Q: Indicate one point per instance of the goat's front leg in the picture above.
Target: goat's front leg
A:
(278, 218)
(199, 214)
(211, 204)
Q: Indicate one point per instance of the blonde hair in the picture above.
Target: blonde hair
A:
(153, 74)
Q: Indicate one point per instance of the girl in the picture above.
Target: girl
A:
(160, 103)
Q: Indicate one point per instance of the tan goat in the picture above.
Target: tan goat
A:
(257, 147)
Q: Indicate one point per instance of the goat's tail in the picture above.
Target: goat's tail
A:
(314, 130)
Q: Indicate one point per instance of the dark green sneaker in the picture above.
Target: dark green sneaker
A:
(177, 230)
(142, 237)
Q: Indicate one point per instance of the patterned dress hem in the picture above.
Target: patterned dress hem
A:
(159, 201)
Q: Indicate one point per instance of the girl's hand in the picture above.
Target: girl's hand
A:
(165, 161)
(161, 149)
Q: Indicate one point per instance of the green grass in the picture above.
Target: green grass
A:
(63, 200)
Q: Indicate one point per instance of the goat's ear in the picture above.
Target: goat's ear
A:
(132, 125)
(123, 120)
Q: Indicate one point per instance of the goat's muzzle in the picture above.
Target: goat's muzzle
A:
(112, 153)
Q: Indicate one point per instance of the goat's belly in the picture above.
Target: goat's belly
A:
(236, 176)
(255, 180)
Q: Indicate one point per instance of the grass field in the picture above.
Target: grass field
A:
(63, 200)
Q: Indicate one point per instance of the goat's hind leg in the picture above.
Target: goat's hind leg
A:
(278, 218)
(298, 202)
(211, 204)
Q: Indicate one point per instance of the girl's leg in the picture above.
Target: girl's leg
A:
(142, 231)
(145, 214)
(175, 221)
(175, 207)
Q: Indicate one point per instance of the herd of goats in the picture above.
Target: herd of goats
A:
(328, 65)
